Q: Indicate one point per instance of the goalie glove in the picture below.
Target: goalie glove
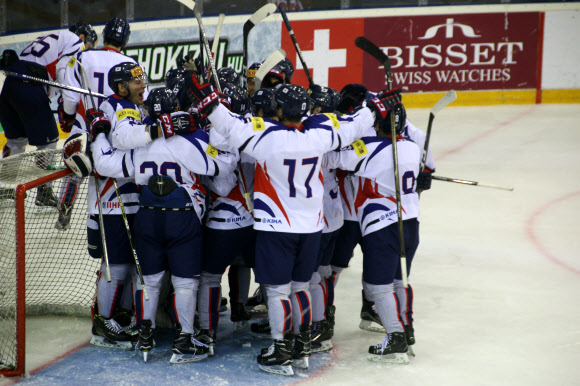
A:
(97, 122)
(178, 123)
(75, 156)
(65, 120)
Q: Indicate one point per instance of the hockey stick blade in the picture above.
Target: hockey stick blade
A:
(260, 15)
(474, 183)
(216, 38)
(188, 3)
(369, 47)
(446, 99)
(272, 60)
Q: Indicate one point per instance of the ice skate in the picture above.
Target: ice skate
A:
(320, 337)
(302, 347)
(261, 329)
(127, 321)
(392, 350)
(146, 342)
(63, 221)
(410, 335)
(370, 320)
(45, 197)
(107, 333)
(209, 338)
(223, 305)
(277, 359)
(330, 311)
(239, 316)
(257, 304)
(187, 349)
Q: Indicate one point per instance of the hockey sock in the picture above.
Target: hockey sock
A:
(405, 297)
(317, 293)
(138, 299)
(209, 300)
(127, 296)
(14, 146)
(241, 283)
(279, 309)
(185, 299)
(153, 286)
(335, 274)
(386, 304)
(301, 313)
(109, 294)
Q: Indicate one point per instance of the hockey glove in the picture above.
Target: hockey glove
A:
(203, 96)
(74, 153)
(179, 123)
(424, 180)
(384, 101)
(98, 122)
(65, 120)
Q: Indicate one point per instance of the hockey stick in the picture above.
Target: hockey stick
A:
(50, 83)
(474, 183)
(296, 46)
(2, 80)
(369, 47)
(272, 60)
(256, 18)
(216, 38)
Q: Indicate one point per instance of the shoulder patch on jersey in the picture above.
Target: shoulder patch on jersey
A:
(258, 124)
(334, 120)
(125, 113)
(360, 147)
(211, 151)
(71, 62)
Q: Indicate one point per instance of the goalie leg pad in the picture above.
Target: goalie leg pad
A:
(75, 156)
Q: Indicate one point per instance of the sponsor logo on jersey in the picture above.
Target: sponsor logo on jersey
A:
(360, 147)
(334, 120)
(271, 221)
(125, 113)
(236, 219)
(71, 62)
(211, 151)
(258, 124)
(111, 205)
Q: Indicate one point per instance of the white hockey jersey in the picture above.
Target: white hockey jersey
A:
(288, 183)
(372, 158)
(180, 157)
(332, 205)
(127, 129)
(96, 64)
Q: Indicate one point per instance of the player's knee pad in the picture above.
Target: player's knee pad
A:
(210, 279)
(325, 271)
(183, 284)
(300, 286)
(374, 292)
(336, 269)
(118, 271)
(154, 280)
(278, 291)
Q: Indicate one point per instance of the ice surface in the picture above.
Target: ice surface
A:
(496, 277)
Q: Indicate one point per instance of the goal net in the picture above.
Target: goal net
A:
(43, 271)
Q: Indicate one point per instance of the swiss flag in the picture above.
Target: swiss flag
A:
(328, 49)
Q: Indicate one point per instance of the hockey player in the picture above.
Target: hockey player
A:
(288, 196)
(371, 157)
(25, 112)
(87, 34)
(87, 69)
(252, 77)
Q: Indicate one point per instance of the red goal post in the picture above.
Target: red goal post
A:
(43, 271)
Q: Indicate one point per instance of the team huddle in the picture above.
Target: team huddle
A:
(186, 180)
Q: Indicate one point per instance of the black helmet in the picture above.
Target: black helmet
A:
(239, 102)
(123, 73)
(286, 67)
(353, 96)
(117, 30)
(264, 99)
(252, 70)
(324, 97)
(383, 104)
(293, 100)
(228, 75)
(86, 29)
(161, 100)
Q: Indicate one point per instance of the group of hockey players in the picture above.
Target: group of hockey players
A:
(186, 181)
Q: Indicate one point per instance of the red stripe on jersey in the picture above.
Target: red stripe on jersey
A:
(341, 184)
(262, 184)
(51, 68)
(365, 191)
(105, 188)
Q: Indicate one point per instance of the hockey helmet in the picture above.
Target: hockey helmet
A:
(353, 95)
(253, 69)
(161, 100)
(123, 73)
(293, 100)
(239, 100)
(264, 99)
(287, 68)
(323, 97)
(228, 75)
(87, 30)
(117, 31)
(385, 103)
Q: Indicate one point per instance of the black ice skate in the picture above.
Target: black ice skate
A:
(277, 359)
(187, 349)
(239, 316)
(302, 347)
(45, 197)
(107, 333)
(330, 311)
(392, 350)
(261, 329)
(410, 335)
(257, 304)
(370, 320)
(223, 305)
(320, 337)
(146, 342)
(63, 221)
(209, 338)
(127, 321)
